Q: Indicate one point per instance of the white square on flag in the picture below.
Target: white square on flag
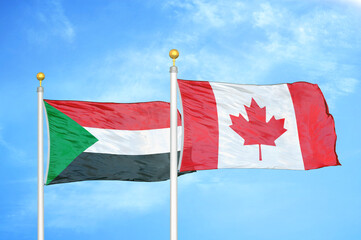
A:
(232, 99)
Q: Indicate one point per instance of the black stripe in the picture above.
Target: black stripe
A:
(100, 166)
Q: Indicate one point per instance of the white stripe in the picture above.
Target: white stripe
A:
(232, 99)
(132, 142)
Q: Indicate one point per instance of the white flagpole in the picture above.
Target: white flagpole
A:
(40, 76)
(173, 148)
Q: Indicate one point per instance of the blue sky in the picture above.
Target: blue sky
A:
(118, 51)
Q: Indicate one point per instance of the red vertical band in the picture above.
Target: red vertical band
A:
(200, 149)
(316, 127)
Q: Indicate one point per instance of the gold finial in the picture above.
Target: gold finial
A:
(40, 76)
(173, 54)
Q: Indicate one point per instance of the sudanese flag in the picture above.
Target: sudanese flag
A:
(108, 141)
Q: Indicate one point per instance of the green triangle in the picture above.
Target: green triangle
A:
(67, 140)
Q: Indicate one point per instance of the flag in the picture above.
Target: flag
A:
(282, 126)
(108, 141)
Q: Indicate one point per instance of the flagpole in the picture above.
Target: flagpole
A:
(40, 76)
(173, 148)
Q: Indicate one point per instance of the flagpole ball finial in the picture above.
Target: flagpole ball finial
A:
(173, 54)
(40, 76)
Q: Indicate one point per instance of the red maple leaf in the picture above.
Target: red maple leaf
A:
(257, 130)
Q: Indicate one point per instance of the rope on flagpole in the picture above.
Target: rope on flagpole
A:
(40, 76)
(173, 148)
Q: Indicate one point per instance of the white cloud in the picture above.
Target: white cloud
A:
(348, 85)
(335, 88)
(131, 75)
(84, 205)
(267, 16)
(210, 13)
(306, 41)
(356, 3)
(313, 43)
(12, 149)
(52, 22)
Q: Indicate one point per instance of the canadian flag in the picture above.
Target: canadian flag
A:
(282, 126)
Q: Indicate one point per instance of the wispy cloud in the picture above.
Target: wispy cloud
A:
(356, 3)
(52, 22)
(83, 205)
(336, 88)
(312, 42)
(264, 37)
(12, 149)
(133, 75)
(267, 16)
(209, 13)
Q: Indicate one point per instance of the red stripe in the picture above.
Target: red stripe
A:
(121, 116)
(316, 127)
(200, 149)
